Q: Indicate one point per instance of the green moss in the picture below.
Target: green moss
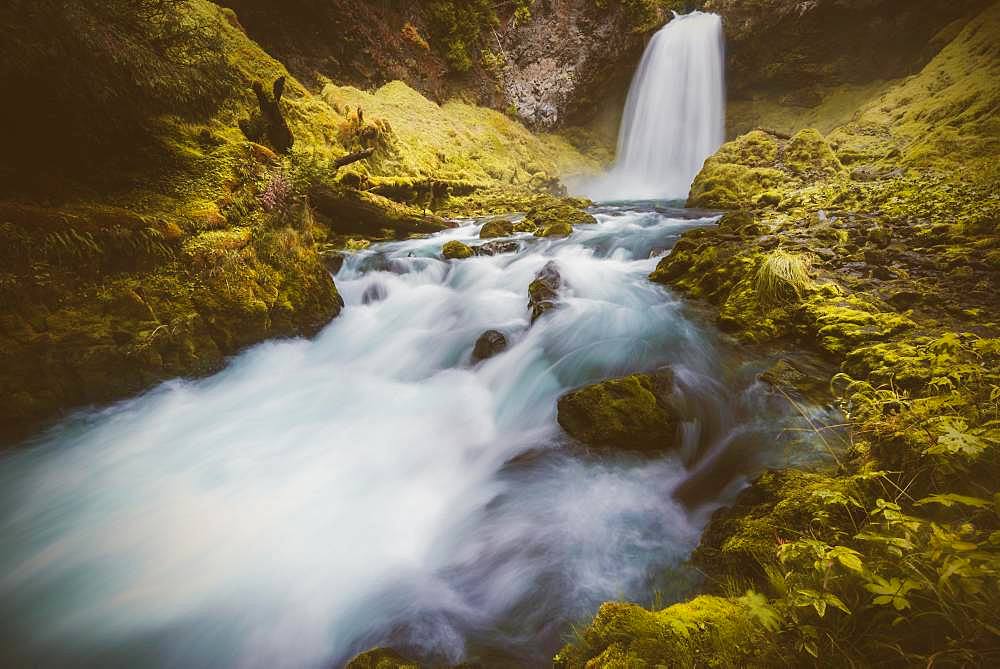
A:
(496, 228)
(456, 250)
(560, 229)
(706, 631)
(455, 143)
(630, 413)
(381, 658)
(808, 153)
(843, 325)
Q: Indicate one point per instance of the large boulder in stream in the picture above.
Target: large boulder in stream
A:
(633, 413)
(496, 228)
(543, 292)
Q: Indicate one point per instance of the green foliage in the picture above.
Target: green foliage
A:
(456, 27)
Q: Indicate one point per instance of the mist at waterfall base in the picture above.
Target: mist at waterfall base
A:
(373, 486)
(674, 116)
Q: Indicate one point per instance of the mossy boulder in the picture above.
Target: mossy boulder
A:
(496, 228)
(525, 225)
(808, 153)
(456, 250)
(560, 229)
(381, 658)
(632, 413)
(739, 173)
(559, 212)
(543, 292)
(706, 631)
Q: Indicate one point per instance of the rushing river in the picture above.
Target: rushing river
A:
(372, 485)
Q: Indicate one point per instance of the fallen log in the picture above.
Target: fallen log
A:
(343, 161)
(350, 211)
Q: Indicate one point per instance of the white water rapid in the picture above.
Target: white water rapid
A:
(373, 486)
(674, 116)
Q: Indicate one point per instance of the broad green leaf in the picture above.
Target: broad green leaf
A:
(951, 499)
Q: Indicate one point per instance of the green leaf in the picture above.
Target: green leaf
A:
(951, 499)
(847, 557)
(891, 592)
(956, 439)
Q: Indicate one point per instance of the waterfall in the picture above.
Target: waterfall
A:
(674, 116)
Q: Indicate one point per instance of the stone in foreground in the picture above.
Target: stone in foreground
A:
(633, 413)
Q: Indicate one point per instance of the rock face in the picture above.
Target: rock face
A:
(561, 62)
(489, 344)
(543, 292)
(633, 413)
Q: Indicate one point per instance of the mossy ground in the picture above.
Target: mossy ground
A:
(876, 245)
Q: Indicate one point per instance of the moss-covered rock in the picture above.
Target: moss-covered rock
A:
(381, 658)
(560, 229)
(565, 212)
(496, 228)
(543, 291)
(633, 413)
(706, 631)
(456, 250)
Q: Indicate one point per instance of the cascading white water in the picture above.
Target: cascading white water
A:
(372, 486)
(674, 116)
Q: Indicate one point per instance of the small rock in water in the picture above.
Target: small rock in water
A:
(456, 250)
(489, 344)
(543, 292)
(374, 293)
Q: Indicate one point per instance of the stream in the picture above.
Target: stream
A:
(372, 486)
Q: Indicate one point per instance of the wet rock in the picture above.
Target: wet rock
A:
(905, 299)
(497, 247)
(543, 292)
(333, 262)
(525, 226)
(797, 380)
(456, 250)
(489, 344)
(560, 229)
(719, 469)
(374, 293)
(632, 413)
(381, 658)
(496, 228)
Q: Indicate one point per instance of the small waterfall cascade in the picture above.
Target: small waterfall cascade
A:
(674, 116)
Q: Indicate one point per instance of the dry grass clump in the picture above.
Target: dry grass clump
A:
(783, 277)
